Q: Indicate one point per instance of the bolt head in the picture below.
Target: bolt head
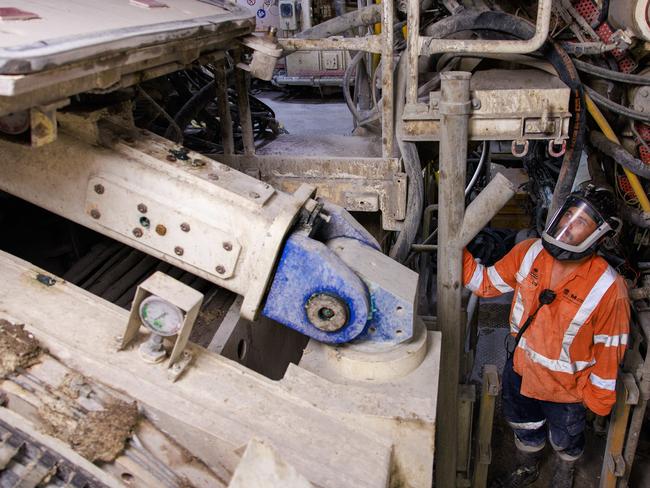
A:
(227, 246)
(142, 208)
(99, 189)
(178, 250)
(220, 269)
(161, 230)
(137, 232)
(327, 312)
(171, 158)
(185, 227)
(254, 194)
(94, 213)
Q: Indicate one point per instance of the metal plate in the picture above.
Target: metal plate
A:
(66, 32)
(120, 209)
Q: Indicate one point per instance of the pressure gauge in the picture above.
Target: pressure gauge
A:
(160, 316)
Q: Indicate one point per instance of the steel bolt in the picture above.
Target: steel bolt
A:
(178, 250)
(326, 312)
(198, 162)
(185, 227)
(171, 158)
(99, 189)
(142, 208)
(94, 213)
(220, 269)
(137, 232)
(254, 194)
(161, 230)
(227, 246)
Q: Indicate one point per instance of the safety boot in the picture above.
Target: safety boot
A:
(525, 472)
(563, 473)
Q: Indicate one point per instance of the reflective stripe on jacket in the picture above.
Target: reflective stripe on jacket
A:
(572, 349)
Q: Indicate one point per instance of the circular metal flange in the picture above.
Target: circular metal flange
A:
(326, 312)
(371, 361)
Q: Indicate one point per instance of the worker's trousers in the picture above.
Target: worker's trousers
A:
(531, 419)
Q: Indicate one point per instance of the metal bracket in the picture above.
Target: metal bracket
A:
(179, 294)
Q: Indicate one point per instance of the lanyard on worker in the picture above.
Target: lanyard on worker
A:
(546, 297)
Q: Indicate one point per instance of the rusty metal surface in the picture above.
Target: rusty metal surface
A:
(362, 184)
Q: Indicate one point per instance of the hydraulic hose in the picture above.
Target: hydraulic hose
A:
(609, 74)
(609, 133)
(192, 107)
(619, 154)
(415, 200)
(357, 18)
(516, 27)
(615, 107)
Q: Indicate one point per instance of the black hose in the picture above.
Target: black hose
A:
(357, 18)
(516, 27)
(609, 74)
(615, 107)
(360, 118)
(415, 195)
(619, 154)
(192, 107)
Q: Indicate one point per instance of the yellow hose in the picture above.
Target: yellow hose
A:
(609, 133)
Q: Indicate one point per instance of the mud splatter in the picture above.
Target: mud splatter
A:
(18, 348)
(102, 435)
(99, 435)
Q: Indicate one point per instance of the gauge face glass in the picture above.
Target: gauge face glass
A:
(160, 316)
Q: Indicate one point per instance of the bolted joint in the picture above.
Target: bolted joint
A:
(326, 312)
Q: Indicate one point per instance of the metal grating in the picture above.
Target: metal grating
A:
(24, 462)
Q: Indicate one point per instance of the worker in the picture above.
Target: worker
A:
(569, 324)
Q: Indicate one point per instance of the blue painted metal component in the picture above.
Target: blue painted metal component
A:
(307, 267)
(392, 288)
(342, 224)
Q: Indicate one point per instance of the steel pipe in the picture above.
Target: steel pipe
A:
(422, 45)
(455, 107)
(485, 206)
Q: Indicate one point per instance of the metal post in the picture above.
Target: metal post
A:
(221, 81)
(387, 108)
(489, 394)
(245, 119)
(455, 107)
(412, 50)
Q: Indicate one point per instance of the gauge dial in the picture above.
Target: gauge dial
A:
(160, 316)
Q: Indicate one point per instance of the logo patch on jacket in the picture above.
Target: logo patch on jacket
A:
(572, 297)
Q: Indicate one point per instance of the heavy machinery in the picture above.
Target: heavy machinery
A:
(133, 119)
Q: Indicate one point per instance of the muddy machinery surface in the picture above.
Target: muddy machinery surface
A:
(86, 381)
(355, 416)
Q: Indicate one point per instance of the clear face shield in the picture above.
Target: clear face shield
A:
(576, 226)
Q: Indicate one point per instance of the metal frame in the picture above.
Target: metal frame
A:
(179, 294)
(378, 44)
(186, 212)
(372, 433)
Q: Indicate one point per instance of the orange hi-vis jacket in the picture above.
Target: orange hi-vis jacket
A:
(571, 351)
